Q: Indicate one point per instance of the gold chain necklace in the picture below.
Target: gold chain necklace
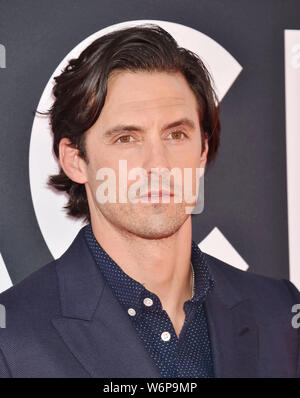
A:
(193, 283)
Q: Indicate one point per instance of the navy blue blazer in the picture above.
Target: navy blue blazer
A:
(64, 321)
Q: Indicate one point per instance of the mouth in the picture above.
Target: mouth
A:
(160, 194)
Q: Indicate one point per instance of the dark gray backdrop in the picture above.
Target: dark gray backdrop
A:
(245, 191)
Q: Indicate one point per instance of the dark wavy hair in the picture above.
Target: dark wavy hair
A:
(80, 92)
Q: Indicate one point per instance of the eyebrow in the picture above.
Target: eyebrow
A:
(130, 128)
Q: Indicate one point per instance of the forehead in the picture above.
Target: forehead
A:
(140, 94)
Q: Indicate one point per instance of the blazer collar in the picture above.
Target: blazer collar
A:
(80, 282)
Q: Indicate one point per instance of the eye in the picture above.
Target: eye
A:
(177, 135)
(125, 139)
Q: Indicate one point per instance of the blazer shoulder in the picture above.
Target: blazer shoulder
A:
(264, 290)
(38, 291)
(29, 307)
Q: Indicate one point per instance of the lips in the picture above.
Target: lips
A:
(157, 194)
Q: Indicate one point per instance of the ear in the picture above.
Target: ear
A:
(71, 163)
(203, 159)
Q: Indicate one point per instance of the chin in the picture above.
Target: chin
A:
(151, 235)
(155, 231)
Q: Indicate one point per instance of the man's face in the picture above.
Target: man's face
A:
(148, 103)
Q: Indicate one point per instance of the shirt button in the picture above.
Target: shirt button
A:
(165, 336)
(148, 302)
(131, 312)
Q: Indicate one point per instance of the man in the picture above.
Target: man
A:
(134, 296)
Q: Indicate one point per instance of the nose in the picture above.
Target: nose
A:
(155, 154)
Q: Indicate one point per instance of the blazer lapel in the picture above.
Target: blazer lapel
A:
(232, 328)
(93, 325)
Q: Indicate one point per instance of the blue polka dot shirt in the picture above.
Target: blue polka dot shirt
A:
(186, 356)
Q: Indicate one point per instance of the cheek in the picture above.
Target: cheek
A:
(195, 153)
(102, 171)
(190, 156)
(91, 174)
(98, 159)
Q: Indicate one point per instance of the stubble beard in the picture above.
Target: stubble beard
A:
(147, 221)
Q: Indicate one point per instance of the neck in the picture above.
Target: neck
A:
(161, 265)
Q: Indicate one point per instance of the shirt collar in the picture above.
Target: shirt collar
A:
(129, 292)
